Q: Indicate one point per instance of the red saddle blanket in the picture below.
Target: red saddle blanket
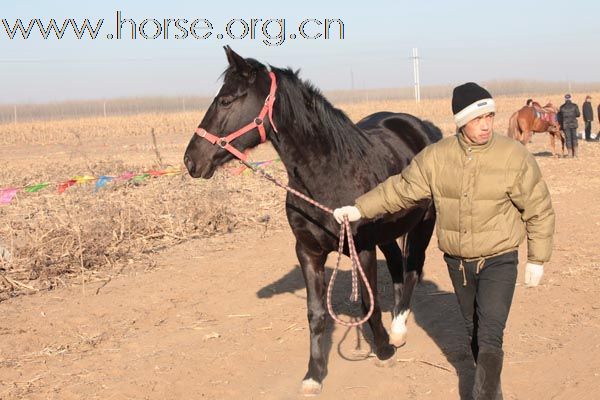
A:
(547, 116)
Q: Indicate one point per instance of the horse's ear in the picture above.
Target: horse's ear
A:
(229, 53)
(238, 62)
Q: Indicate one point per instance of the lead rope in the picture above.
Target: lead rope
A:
(356, 266)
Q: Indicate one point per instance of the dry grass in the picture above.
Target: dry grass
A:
(82, 236)
(52, 132)
(48, 240)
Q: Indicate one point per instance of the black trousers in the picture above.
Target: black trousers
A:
(588, 130)
(570, 137)
(485, 294)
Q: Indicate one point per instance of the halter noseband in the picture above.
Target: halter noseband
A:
(258, 122)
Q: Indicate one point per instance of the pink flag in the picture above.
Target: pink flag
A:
(6, 195)
(125, 176)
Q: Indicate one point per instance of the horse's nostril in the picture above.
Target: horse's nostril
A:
(189, 163)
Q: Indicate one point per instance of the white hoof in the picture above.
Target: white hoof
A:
(310, 387)
(399, 331)
(398, 339)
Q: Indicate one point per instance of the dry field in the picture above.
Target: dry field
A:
(178, 288)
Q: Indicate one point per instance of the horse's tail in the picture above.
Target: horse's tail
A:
(513, 126)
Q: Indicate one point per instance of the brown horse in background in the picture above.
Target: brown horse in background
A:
(523, 123)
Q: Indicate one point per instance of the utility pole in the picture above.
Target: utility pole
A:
(415, 58)
(104, 106)
(15, 114)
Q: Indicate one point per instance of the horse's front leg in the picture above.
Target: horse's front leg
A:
(313, 265)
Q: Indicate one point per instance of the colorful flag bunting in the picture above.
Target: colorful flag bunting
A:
(7, 194)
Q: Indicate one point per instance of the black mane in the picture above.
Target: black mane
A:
(302, 105)
(314, 118)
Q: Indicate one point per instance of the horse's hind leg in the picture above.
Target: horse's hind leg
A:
(395, 263)
(313, 266)
(417, 241)
(526, 137)
(553, 144)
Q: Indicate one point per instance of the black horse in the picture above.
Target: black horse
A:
(332, 160)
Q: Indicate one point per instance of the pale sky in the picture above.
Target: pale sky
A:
(458, 41)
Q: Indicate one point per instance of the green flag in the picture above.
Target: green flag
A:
(36, 187)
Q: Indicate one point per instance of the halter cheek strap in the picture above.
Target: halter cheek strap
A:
(258, 122)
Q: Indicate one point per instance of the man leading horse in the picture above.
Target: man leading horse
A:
(489, 195)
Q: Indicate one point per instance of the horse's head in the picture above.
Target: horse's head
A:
(236, 119)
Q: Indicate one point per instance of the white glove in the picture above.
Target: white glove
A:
(351, 212)
(533, 274)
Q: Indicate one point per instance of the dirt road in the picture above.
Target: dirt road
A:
(225, 318)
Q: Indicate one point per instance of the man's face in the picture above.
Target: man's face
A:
(479, 130)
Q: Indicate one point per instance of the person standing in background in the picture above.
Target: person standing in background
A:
(567, 117)
(588, 117)
(598, 134)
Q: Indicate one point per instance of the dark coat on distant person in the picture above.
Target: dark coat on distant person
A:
(588, 112)
(568, 114)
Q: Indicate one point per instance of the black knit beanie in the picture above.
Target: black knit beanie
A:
(469, 101)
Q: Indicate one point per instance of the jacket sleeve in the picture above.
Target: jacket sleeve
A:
(397, 192)
(531, 197)
(559, 117)
(578, 114)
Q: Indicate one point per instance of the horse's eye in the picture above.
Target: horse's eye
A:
(226, 100)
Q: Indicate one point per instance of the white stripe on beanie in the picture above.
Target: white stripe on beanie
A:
(480, 107)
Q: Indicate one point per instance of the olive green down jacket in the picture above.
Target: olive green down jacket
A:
(487, 197)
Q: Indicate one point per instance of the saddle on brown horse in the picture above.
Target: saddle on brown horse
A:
(548, 113)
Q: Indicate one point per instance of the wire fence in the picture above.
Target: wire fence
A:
(98, 108)
(13, 113)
